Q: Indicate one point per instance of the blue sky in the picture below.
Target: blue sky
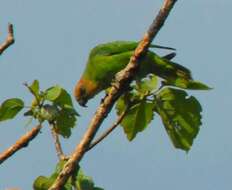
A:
(53, 39)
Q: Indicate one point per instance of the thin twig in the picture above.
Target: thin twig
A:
(59, 150)
(20, 143)
(9, 40)
(108, 131)
(123, 79)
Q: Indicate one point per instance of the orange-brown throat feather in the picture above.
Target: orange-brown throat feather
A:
(85, 89)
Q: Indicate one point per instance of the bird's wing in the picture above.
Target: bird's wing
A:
(117, 47)
(113, 48)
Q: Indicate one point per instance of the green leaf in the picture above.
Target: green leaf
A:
(147, 85)
(196, 85)
(53, 93)
(128, 98)
(84, 182)
(59, 166)
(137, 117)
(64, 122)
(187, 84)
(121, 104)
(43, 182)
(10, 108)
(78, 180)
(49, 112)
(97, 188)
(34, 88)
(181, 116)
(71, 111)
(64, 99)
(59, 96)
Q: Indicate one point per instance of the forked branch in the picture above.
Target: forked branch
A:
(58, 147)
(9, 39)
(108, 131)
(123, 79)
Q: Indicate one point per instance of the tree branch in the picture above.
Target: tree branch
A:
(59, 150)
(20, 143)
(123, 79)
(9, 40)
(108, 131)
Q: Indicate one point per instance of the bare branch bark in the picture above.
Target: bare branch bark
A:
(123, 79)
(59, 150)
(108, 131)
(20, 143)
(9, 40)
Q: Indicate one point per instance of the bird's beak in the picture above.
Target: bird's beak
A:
(84, 106)
(82, 103)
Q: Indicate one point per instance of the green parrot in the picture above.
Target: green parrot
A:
(105, 60)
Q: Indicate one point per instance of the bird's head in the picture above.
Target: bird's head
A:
(84, 90)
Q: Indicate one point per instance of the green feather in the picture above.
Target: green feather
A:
(105, 60)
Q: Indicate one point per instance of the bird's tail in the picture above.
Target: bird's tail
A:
(169, 56)
(175, 74)
(162, 47)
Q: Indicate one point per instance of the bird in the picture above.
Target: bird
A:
(106, 59)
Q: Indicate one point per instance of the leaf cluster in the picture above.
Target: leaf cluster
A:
(180, 113)
(77, 181)
(53, 105)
